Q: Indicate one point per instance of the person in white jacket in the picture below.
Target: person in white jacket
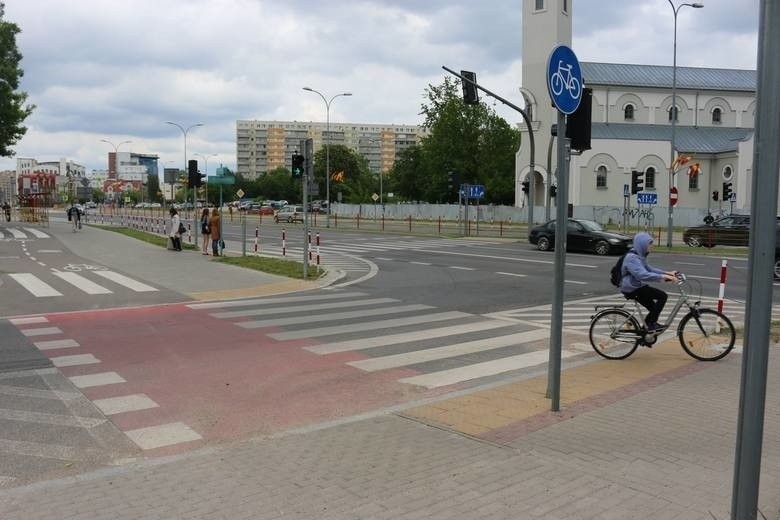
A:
(174, 232)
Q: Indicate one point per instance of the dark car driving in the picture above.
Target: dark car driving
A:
(581, 235)
(732, 230)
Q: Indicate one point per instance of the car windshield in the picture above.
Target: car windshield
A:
(591, 225)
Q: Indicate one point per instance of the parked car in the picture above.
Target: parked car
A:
(732, 230)
(581, 235)
(289, 214)
(266, 210)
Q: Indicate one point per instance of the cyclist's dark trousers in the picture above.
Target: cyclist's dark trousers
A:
(650, 298)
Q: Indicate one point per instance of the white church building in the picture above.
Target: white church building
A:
(632, 130)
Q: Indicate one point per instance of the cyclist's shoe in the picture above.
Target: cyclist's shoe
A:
(654, 327)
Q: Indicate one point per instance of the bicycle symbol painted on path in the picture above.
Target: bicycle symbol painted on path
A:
(563, 78)
(84, 267)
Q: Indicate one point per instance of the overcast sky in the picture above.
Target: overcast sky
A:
(116, 69)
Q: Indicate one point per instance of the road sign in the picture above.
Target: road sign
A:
(564, 79)
(375, 197)
(626, 190)
(476, 191)
(227, 179)
(733, 197)
(240, 193)
(673, 195)
(647, 198)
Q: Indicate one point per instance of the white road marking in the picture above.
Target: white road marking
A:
(297, 320)
(421, 263)
(488, 368)
(50, 250)
(576, 282)
(462, 268)
(103, 378)
(449, 351)
(72, 361)
(369, 325)
(512, 258)
(274, 301)
(513, 274)
(27, 321)
(35, 285)
(82, 283)
(162, 435)
(690, 263)
(43, 331)
(56, 343)
(125, 403)
(404, 337)
(383, 259)
(303, 308)
(125, 281)
(36, 232)
(17, 233)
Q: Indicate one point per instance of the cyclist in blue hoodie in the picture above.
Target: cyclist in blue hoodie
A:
(636, 275)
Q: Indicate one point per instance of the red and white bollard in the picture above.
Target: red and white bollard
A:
(284, 242)
(257, 235)
(318, 252)
(309, 247)
(722, 288)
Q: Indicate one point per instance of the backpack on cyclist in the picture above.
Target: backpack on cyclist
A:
(616, 273)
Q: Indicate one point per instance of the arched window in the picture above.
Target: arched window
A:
(693, 181)
(673, 112)
(628, 112)
(650, 178)
(716, 116)
(601, 177)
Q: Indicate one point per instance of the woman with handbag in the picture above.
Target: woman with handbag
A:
(216, 236)
(205, 230)
(174, 233)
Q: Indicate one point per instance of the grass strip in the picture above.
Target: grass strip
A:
(288, 268)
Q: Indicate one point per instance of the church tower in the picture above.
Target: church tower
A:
(546, 24)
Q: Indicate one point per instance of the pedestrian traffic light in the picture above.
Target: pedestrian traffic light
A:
(297, 166)
(578, 123)
(726, 191)
(470, 93)
(553, 190)
(637, 181)
(526, 186)
(453, 181)
(192, 173)
(715, 195)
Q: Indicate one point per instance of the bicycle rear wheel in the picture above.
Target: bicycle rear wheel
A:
(614, 333)
(707, 335)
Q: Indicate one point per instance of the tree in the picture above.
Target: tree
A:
(358, 182)
(469, 139)
(13, 111)
(278, 184)
(153, 187)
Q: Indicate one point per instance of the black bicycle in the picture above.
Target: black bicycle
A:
(705, 334)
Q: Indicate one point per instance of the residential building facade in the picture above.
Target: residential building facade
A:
(632, 131)
(262, 146)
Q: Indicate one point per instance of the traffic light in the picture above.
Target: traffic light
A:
(297, 166)
(470, 92)
(453, 181)
(637, 181)
(526, 186)
(726, 191)
(553, 190)
(578, 123)
(715, 195)
(192, 173)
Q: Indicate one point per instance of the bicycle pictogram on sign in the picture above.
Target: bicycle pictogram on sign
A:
(563, 79)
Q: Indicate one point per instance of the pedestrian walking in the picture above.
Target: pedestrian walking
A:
(175, 233)
(216, 235)
(205, 231)
(230, 209)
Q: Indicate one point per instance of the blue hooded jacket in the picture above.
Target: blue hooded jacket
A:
(636, 271)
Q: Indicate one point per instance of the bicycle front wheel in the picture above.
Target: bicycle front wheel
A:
(614, 334)
(706, 334)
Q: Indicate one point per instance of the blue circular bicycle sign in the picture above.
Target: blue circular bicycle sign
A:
(564, 79)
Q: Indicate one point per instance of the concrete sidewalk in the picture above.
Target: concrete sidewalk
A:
(648, 437)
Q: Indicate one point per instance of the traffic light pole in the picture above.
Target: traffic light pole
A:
(532, 166)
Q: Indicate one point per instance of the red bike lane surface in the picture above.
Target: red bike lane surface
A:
(221, 380)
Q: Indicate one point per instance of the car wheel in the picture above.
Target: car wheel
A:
(694, 241)
(777, 268)
(602, 248)
(289, 220)
(543, 244)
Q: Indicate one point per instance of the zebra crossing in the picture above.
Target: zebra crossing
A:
(433, 347)
(577, 314)
(22, 233)
(92, 282)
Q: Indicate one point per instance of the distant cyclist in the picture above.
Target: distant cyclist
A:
(74, 216)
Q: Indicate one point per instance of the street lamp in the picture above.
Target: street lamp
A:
(116, 152)
(327, 146)
(674, 113)
(184, 131)
(206, 168)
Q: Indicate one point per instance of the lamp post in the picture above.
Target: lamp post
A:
(327, 146)
(206, 170)
(116, 152)
(674, 114)
(184, 132)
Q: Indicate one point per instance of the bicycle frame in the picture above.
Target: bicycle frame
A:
(637, 313)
